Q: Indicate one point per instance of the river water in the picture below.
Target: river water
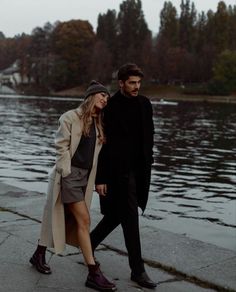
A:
(193, 187)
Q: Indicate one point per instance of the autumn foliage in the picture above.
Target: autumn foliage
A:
(190, 48)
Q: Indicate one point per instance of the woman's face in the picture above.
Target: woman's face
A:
(100, 101)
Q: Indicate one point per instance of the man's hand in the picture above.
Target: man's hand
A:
(101, 189)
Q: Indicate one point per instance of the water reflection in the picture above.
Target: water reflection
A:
(194, 176)
(27, 146)
(193, 189)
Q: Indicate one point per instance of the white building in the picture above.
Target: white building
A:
(11, 76)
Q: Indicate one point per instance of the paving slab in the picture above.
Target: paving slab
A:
(177, 262)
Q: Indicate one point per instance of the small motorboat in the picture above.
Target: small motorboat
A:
(164, 102)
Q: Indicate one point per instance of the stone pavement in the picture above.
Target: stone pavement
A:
(176, 262)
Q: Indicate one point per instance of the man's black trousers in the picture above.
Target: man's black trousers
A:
(128, 217)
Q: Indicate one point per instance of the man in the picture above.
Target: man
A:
(124, 167)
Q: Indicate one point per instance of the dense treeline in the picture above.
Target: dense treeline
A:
(190, 48)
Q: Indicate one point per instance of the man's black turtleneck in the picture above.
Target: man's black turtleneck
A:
(132, 116)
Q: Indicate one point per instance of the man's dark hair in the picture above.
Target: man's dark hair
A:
(128, 70)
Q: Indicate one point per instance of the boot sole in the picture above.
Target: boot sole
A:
(94, 286)
(145, 285)
(34, 264)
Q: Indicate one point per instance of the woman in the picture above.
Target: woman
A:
(66, 219)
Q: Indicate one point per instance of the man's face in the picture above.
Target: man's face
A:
(131, 86)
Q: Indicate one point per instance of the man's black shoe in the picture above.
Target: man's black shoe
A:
(143, 280)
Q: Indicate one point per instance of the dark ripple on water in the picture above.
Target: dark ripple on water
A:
(193, 189)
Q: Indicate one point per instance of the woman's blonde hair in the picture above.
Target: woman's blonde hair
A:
(87, 115)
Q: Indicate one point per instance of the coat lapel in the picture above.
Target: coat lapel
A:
(76, 132)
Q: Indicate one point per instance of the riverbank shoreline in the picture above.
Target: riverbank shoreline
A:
(194, 98)
(176, 261)
(154, 93)
(159, 93)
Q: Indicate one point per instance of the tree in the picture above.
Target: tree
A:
(179, 65)
(204, 50)
(224, 78)
(7, 52)
(232, 27)
(23, 43)
(167, 38)
(169, 24)
(200, 30)
(73, 44)
(107, 33)
(221, 27)
(133, 33)
(39, 55)
(101, 63)
(187, 25)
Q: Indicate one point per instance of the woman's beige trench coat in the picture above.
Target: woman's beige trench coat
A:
(59, 227)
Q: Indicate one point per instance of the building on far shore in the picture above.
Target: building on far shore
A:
(12, 77)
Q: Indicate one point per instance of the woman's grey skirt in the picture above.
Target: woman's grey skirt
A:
(74, 185)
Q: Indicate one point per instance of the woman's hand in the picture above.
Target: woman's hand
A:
(101, 189)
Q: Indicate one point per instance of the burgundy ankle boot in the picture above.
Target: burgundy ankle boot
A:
(39, 262)
(97, 280)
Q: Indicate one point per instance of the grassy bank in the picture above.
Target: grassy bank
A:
(176, 93)
(157, 92)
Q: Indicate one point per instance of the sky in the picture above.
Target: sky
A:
(18, 16)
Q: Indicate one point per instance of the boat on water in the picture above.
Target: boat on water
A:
(165, 102)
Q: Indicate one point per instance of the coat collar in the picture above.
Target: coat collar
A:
(118, 107)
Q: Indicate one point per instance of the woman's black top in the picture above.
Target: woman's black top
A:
(83, 157)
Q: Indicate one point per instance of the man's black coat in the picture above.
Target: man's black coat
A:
(113, 163)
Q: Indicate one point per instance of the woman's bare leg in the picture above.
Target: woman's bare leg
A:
(95, 278)
(81, 214)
